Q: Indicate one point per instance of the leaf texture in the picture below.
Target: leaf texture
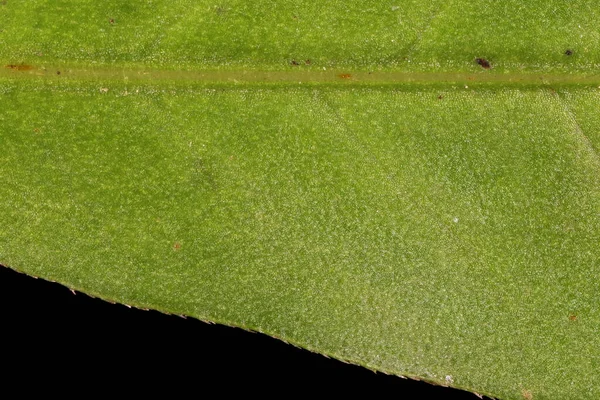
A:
(412, 186)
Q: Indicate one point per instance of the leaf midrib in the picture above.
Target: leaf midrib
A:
(294, 76)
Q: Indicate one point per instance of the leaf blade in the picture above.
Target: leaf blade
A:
(398, 227)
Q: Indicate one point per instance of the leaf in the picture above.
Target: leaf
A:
(413, 187)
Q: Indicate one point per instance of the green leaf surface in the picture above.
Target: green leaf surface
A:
(411, 186)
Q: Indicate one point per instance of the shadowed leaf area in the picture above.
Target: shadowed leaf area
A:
(413, 187)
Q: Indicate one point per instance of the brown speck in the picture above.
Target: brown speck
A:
(527, 395)
(568, 52)
(112, 21)
(57, 72)
(307, 62)
(440, 97)
(19, 67)
(572, 317)
(36, 130)
(176, 246)
(483, 62)
(294, 62)
(345, 76)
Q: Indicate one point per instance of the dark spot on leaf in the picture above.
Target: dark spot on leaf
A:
(572, 317)
(176, 246)
(294, 62)
(112, 21)
(345, 76)
(19, 67)
(204, 175)
(527, 395)
(440, 97)
(568, 52)
(483, 62)
(307, 62)
(57, 72)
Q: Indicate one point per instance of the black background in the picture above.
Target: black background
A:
(51, 336)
